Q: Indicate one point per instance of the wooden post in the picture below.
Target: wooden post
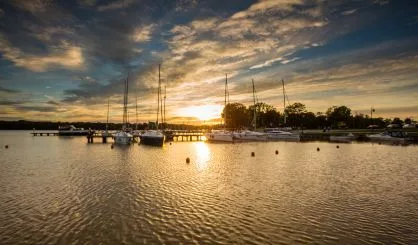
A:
(104, 139)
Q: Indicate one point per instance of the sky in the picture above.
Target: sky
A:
(64, 60)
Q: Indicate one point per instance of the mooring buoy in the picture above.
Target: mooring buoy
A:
(338, 146)
(252, 154)
(317, 149)
(277, 152)
(6, 146)
(187, 160)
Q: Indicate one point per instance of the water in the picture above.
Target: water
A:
(63, 190)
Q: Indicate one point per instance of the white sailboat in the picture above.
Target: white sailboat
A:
(122, 137)
(282, 133)
(248, 135)
(106, 133)
(389, 136)
(222, 135)
(136, 133)
(155, 137)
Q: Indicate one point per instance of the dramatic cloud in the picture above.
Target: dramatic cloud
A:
(328, 53)
(119, 4)
(143, 34)
(66, 56)
(6, 90)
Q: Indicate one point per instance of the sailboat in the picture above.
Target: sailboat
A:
(136, 133)
(248, 135)
(122, 137)
(155, 137)
(221, 135)
(106, 133)
(283, 133)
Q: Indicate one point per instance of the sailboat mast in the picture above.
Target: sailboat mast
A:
(165, 96)
(158, 92)
(107, 118)
(226, 89)
(126, 105)
(255, 108)
(136, 112)
(284, 103)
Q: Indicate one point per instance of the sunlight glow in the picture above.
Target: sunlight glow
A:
(204, 112)
(203, 155)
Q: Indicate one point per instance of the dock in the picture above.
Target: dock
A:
(46, 133)
(186, 135)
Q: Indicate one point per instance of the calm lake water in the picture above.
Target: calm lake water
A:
(63, 190)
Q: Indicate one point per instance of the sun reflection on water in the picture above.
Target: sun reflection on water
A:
(202, 155)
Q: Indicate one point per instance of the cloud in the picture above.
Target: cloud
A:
(349, 12)
(66, 56)
(6, 90)
(33, 6)
(118, 4)
(143, 34)
(88, 3)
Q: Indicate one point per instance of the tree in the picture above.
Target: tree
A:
(295, 114)
(295, 108)
(267, 115)
(397, 120)
(408, 120)
(339, 115)
(236, 115)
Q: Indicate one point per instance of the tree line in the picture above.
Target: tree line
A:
(297, 116)
(239, 116)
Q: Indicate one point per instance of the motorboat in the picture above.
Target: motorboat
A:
(152, 137)
(220, 135)
(342, 138)
(123, 138)
(71, 130)
(247, 135)
(389, 136)
(282, 135)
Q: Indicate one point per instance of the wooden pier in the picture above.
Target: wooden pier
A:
(40, 133)
(182, 135)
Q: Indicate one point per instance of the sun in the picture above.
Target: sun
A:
(203, 112)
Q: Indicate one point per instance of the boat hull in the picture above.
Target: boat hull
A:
(295, 138)
(122, 138)
(387, 139)
(219, 137)
(249, 137)
(154, 141)
(343, 139)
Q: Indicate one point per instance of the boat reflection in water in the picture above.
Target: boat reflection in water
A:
(342, 138)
